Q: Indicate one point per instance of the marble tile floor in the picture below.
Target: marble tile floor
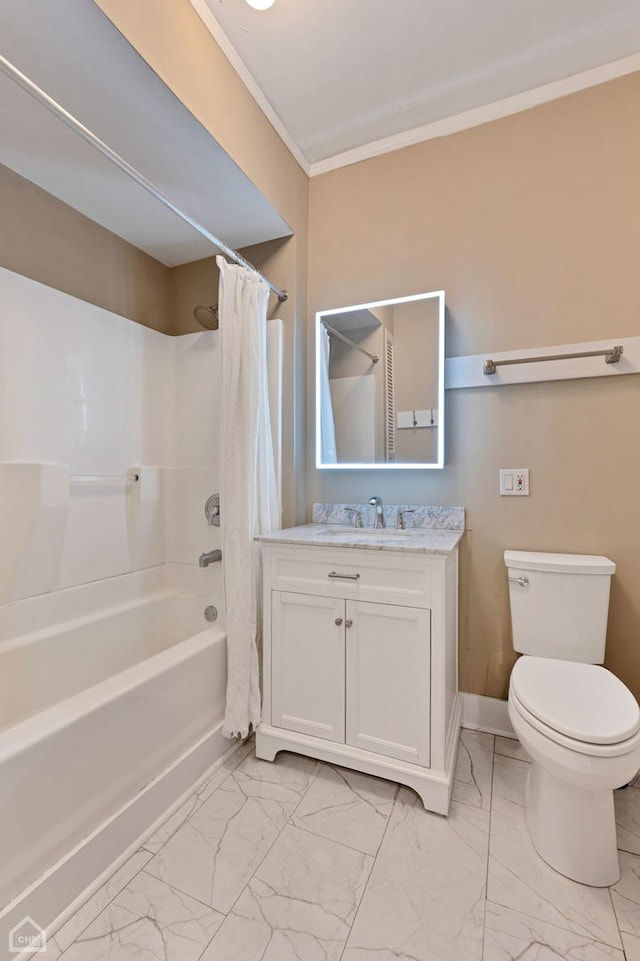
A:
(303, 861)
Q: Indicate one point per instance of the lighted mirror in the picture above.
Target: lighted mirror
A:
(380, 384)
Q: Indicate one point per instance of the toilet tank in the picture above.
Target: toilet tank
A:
(559, 604)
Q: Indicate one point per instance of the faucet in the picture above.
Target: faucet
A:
(209, 558)
(377, 503)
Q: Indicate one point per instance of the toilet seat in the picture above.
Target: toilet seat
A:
(572, 744)
(576, 702)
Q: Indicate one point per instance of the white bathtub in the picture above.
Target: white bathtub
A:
(106, 718)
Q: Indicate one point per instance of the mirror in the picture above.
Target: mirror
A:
(380, 384)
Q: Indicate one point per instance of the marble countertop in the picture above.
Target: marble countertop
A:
(418, 540)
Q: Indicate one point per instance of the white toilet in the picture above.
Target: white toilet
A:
(578, 722)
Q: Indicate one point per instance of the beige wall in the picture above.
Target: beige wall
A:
(532, 226)
(174, 41)
(44, 239)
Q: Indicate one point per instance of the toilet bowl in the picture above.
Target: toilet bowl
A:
(577, 721)
(581, 727)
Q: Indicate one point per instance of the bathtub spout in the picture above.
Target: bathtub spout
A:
(209, 558)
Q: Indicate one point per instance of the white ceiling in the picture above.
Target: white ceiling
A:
(72, 51)
(338, 76)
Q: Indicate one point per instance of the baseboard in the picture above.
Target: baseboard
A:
(61, 890)
(488, 714)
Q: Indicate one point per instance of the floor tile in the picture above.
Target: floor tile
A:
(510, 935)
(631, 946)
(299, 905)
(519, 879)
(348, 807)
(103, 896)
(171, 826)
(511, 747)
(213, 855)
(626, 894)
(147, 921)
(425, 898)
(474, 767)
(51, 951)
(627, 804)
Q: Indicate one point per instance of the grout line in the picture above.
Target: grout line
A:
(271, 846)
(258, 866)
(373, 864)
(486, 880)
(199, 804)
(102, 910)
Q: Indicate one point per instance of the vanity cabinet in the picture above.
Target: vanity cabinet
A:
(360, 662)
(352, 672)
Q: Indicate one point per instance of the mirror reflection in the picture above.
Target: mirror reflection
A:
(380, 384)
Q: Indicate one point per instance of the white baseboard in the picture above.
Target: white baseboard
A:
(489, 714)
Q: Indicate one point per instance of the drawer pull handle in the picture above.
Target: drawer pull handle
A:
(344, 577)
(338, 621)
(348, 622)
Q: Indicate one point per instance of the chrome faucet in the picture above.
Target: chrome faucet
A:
(377, 503)
(209, 558)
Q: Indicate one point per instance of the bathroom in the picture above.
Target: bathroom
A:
(530, 224)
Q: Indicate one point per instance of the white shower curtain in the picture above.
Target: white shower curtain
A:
(248, 488)
(327, 425)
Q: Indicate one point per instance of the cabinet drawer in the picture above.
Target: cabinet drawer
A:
(378, 576)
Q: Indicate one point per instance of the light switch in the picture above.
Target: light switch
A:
(514, 482)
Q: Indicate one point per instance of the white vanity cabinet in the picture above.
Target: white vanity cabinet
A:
(360, 661)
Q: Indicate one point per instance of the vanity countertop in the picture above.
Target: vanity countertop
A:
(417, 540)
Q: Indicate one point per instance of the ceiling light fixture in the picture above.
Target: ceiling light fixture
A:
(260, 4)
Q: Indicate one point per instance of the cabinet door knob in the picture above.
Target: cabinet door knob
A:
(338, 621)
(348, 622)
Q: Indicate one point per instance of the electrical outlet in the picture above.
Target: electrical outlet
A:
(514, 482)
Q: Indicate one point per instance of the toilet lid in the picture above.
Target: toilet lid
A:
(583, 701)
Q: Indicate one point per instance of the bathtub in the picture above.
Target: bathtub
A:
(111, 707)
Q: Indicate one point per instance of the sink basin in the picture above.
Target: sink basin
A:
(366, 532)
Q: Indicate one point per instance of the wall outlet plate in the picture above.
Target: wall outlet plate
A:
(514, 482)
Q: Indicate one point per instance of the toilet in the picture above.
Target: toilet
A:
(577, 721)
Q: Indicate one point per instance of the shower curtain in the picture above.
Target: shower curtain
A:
(248, 488)
(327, 426)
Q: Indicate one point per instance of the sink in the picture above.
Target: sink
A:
(366, 532)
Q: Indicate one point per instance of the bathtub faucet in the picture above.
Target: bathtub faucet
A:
(209, 558)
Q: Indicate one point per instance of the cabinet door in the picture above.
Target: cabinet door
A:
(307, 673)
(388, 680)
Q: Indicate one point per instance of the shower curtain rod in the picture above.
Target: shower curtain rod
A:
(336, 333)
(55, 108)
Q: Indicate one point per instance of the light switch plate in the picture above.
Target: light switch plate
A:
(514, 482)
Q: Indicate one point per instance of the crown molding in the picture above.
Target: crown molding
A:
(485, 114)
(408, 138)
(232, 55)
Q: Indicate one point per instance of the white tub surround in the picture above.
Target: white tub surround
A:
(121, 697)
(360, 652)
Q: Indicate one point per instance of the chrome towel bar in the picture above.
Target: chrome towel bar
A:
(103, 480)
(611, 356)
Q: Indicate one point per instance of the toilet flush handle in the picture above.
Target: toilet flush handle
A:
(522, 581)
